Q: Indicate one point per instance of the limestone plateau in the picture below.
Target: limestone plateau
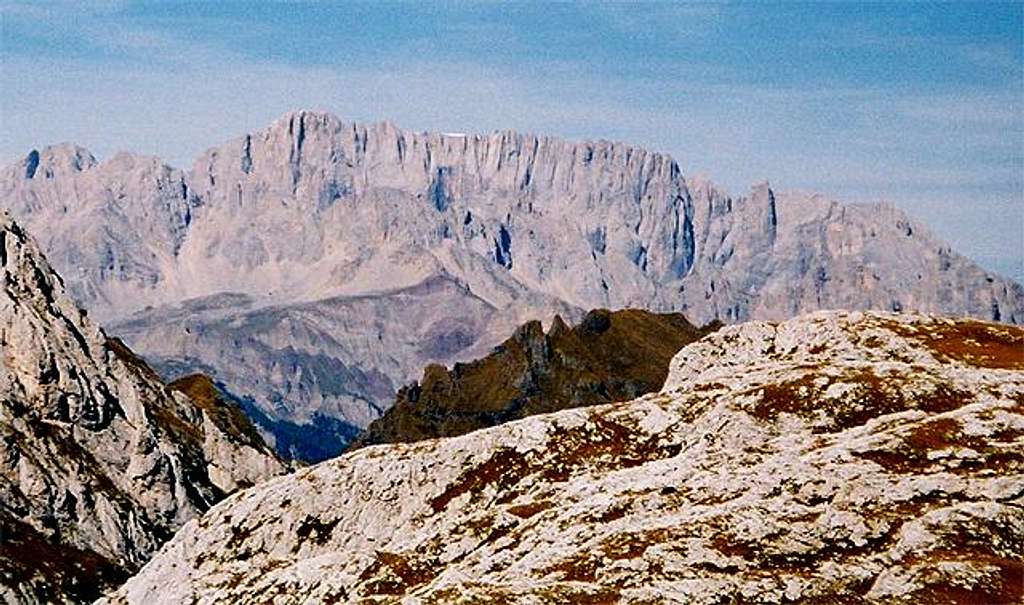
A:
(315, 266)
(839, 457)
(610, 356)
(100, 462)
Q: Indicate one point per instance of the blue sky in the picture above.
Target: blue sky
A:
(918, 104)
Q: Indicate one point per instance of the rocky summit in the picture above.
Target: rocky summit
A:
(609, 356)
(100, 462)
(320, 264)
(836, 457)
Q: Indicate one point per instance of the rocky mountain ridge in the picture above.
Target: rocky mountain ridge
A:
(836, 457)
(317, 243)
(252, 207)
(609, 356)
(99, 462)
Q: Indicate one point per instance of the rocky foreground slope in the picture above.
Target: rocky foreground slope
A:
(321, 264)
(609, 356)
(837, 457)
(99, 462)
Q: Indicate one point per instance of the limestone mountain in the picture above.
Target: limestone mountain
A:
(99, 462)
(321, 264)
(608, 356)
(837, 457)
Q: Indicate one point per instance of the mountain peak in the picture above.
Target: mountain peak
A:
(130, 161)
(826, 338)
(56, 160)
(293, 122)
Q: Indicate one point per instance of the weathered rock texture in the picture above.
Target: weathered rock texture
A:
(837, 457)
(99, 462)
(292, 251)
(610, 356)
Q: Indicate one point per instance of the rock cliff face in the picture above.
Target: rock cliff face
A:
(99, 462)
(836, 457)
(280, 235)
(609, 356)
(313, 206)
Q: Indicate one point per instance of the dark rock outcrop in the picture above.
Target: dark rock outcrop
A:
(609, 356)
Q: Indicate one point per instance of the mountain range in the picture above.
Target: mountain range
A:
(835, 457)
(315, 266)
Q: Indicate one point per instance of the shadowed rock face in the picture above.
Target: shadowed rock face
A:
(99, 462)
(322, 244)
(317, 364)
(609, 356)
(837, 457)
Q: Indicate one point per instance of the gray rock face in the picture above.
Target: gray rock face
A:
(315, 213)
(99, 462)
(837, 457)
(340, 357)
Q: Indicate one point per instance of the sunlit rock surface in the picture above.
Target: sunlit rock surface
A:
(99, 462)
(836, 457)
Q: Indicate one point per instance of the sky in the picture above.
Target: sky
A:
(918, 104)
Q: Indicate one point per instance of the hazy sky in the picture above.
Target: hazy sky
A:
(918, 104)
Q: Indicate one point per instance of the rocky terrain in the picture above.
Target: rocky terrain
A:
(99, 462)
(608, 356)
(320, 264)
(837, 457)
(327, 368)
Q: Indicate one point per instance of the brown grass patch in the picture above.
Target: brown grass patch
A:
(525, 511)
(1002, 584)
(130, 359)
(579, 568)
(971, 342)
(912, 454)
(871, 396)
(602, 442)
(225, 414)
(504, 468)
(605, 442)
(394, 574)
